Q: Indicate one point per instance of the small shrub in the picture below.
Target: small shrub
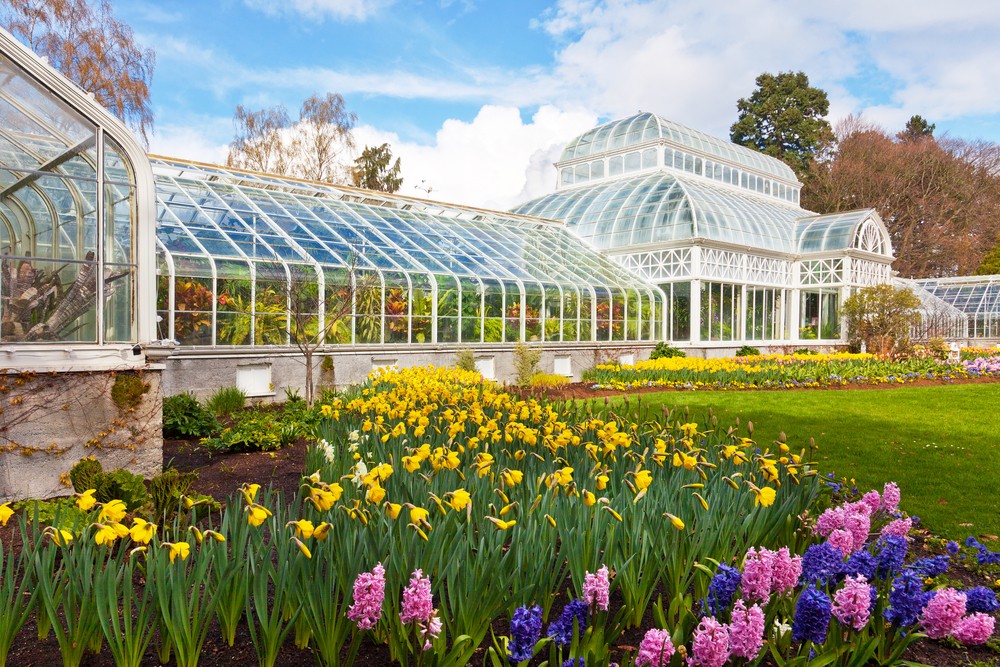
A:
(805, 350)
(226, 401)
(747, 351)
(128, 390)
(60, 513)
(167, 489)
(254, 431)
(664, 350)
(465, 359)
(124, 486)
(185, 417)
(548, 380)
(292, 396)
(86, 474)
(526, 360)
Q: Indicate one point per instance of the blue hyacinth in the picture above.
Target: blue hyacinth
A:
(981, 599)
(907, 598)
(933, 566)
(525, 631)
(861, 563)
(890, 553)
(822, 563)
(561, 629)
(722, 590)
(812, 616)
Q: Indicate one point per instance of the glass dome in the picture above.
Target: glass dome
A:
(661, 207)
(645, 127)
(861, 229)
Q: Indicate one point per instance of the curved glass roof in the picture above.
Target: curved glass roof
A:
(212, 216)
(663, 206)
(834, 231)
(645, 127)
(973, 295)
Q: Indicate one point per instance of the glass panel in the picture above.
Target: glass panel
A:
(193, 301)
(571, 315)
(632, 316)
(582, 173)
(512, 316)
(830, 317)
(472, 310)
(552, 326)
(649, 158)
(632, 161)
(46, 301)
(597, 169)
(532, 313)
(566, 176)
(809, 316)
(493, 311)
(586, 315)
(615, 165)
(680, 310)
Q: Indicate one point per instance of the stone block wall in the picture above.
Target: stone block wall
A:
(49, 421)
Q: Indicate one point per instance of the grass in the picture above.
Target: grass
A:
(939, 443)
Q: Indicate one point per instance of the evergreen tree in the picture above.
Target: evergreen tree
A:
(375, 170)
(916, 129)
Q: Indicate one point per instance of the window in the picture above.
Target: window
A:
(255, 379)
(615, 165)
(597, 169)
(649, 158)
(819, 315)
(566, 176)
(632, 161)
(720, 309)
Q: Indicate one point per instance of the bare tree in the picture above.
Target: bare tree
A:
(258, 144)
(92, 48)
(318, 318)
(939, 198)
(313, 148)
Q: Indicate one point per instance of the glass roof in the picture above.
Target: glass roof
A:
(973, 295)
(645, 127)
(834, 231)
(662, 207)
(212, 215)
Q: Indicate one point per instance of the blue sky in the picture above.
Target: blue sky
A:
(478, 96)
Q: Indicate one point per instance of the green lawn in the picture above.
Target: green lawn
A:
(940, 444)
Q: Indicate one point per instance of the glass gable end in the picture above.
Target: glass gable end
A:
(229, 240)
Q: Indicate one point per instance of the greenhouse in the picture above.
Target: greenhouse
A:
(234, 248)
(718, 228)
(977, 298)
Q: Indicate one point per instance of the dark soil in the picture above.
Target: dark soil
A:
(221, 475)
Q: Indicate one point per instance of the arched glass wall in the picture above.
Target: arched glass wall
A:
(233, 246)
(69, 209)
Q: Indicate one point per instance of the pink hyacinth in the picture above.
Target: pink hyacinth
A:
(842, 540)
(851, 604)
(596, 587)
(890, 497)
(429, 629)
(369, 593)
(655, 650)
(785, 571)
(418, 604)
(757, 569)
(858, 524)
(873, 501)
(943, 613)
(710, 646)
(746, 631)
(900, 527)
(829, 521)
(974, 629)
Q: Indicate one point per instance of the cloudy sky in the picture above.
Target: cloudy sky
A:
(478, 96)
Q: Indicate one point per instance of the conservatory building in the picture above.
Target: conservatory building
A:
(718, 228)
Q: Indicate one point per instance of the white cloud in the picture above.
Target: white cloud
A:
(495, 161)
(197, 140)
(345, 10)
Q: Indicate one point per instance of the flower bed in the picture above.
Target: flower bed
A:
(437, 504)
(775, 371)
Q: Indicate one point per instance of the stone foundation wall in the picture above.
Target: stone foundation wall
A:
(273, 372)
(52, 420)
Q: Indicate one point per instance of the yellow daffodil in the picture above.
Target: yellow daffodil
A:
(113, 511)
(250, 492)
(321, 531)
(602, 482)
(326, 410)
(393, 510)
(589, 499)
(616, 515)
(643, 479)
(302, 547)
(764, 497)
(418, 514)
(512, 477)
(675, 521)
(106, 534)
(142, 531)
(85, 501)
(257, 514)
(460, 499)
(375, 495)
(500, 523)
(217, 536)
(59, 536)
(182, 549)
(552, 521)
(303, 528)
(5, 514)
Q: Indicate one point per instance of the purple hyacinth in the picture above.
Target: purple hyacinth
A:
(861, 563)
(906, 599)
(812, 616)
(933, 566)
(722, 589)
(525, 631)
(821, 563)
(981, 599)
(561, 629)
(890, 552)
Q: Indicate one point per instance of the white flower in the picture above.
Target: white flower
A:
(360, 470)
(354, 435)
